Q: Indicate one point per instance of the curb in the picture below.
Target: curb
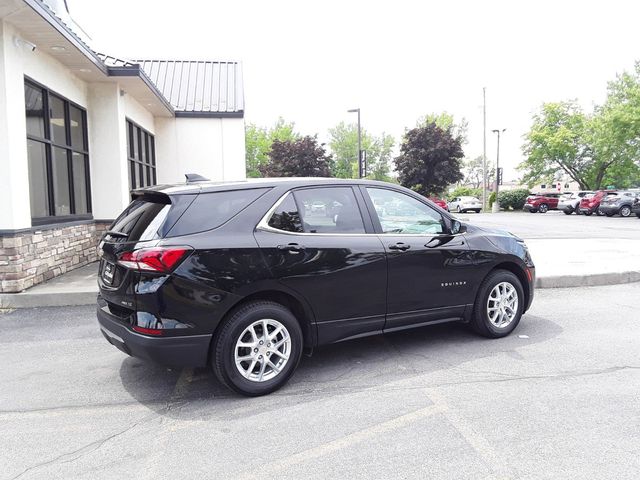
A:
(594, 280)
(34, 300)
(88, 297)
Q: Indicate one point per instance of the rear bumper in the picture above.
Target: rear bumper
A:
(530, 208)
(183, 351)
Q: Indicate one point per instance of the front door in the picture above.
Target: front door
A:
(317, 243)
(429, 270)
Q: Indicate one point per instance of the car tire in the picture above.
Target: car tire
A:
(577, 210)
(588, 213)
(459, 210)
(533, 211)
(567, 212)
(599, 212)
(237, 329)
(543, 208)
(609, 214)
(481, 321)
(477, 211)
(625, 211)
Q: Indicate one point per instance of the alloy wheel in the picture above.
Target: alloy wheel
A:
(262, 350)
(625, 211)
(502, 304)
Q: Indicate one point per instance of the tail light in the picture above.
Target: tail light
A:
(156, 259)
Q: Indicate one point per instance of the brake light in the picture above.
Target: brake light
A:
(156, 259)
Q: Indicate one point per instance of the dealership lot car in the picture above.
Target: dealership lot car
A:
(619, 204)
(570, 203)
(242, 277)
(464, 204)
(541, 202)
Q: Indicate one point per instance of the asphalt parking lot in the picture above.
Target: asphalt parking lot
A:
(557, 399)
(557, 225)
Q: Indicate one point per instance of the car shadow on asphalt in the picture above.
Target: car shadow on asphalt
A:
(339, 369)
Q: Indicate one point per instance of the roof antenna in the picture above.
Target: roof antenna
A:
(195, 178)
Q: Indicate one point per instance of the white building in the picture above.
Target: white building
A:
(80, 129)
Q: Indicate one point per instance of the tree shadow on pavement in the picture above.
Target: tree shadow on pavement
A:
(338, 369)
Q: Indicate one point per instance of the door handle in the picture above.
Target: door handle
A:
(403, 247)
(291, 248)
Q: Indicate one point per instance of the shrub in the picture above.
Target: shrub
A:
(513, 199)
(492, 198)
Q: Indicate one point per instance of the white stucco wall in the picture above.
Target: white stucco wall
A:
(107, 150)
(138, 114)
(15, 210)
(211, 147)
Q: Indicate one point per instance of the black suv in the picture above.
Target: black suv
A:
(245, 276)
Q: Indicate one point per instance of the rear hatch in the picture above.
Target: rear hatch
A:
(142, 224)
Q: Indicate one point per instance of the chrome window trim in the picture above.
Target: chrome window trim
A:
(263, 225)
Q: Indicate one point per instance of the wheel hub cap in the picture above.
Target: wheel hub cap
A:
(262, 350)
(502, 305)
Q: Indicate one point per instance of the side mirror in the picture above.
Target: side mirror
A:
(457, 227)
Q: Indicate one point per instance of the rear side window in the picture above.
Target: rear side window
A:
(286, 216)
(211, 210)
(141, 220)
(329, 210)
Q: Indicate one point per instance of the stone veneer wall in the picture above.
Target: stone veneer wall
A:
(34, 256)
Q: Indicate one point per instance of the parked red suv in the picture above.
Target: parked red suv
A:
(591, 203)
(541, 202)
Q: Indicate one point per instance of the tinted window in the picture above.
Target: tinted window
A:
(210, 210)
(400, 213)
(329, 210)
(141, 220)
(286, 216)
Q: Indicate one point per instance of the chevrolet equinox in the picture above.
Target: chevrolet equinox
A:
(245, 276)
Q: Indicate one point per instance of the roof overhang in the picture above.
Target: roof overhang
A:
(39, 25)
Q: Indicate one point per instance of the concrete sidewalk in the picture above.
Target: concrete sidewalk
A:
(559, 263)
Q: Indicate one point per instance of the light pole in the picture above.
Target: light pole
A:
(496, 204)
(484, 149)
(357, 110)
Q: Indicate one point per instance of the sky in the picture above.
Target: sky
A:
(311, 61)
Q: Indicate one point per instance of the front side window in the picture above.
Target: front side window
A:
(329, 210)
(141, 154)
(58, 156)
(402, 214)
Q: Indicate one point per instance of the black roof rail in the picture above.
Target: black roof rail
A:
(195, 178)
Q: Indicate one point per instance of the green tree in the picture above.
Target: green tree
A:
(344, 146)
(595, 150)
(616, 132)
(473, 172)
(301, 157)
(559, 140)
(430, 159)
(446, 121)
(258, 141)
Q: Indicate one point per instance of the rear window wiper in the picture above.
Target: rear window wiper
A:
(115, 233)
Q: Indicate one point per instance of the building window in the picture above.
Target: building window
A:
(58, 156)
(141, 150)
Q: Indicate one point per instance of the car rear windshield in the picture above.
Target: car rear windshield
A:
(141, 220)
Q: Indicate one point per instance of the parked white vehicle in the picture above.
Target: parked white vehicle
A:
(464, 204)
(570, 203)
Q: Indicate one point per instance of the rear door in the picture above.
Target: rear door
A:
(318, 244)
(429, 270)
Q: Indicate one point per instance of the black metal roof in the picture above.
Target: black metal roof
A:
(193, 88)
(198, 87)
